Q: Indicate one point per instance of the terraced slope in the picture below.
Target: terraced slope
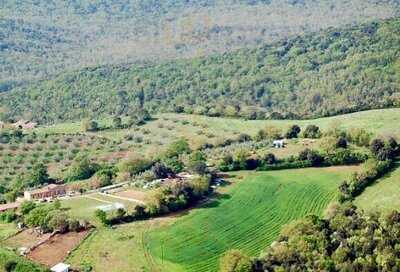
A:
(249, 216)
(383, 196)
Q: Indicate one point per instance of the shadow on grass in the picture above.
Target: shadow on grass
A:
(396, 166)
(215, 201)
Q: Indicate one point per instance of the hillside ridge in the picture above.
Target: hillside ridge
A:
(42, 38)
(336, 71)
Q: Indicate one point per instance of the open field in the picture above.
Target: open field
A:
(383, 195)
(248, 214)
(6, 230)
(377, 121)
(133, 194)
(83, 207)
(165, 128)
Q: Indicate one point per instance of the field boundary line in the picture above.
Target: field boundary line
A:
(147, 255)
(124, 198)
(98, 199)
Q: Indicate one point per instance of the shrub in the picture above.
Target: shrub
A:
(38, 175)
(81, 168)
(90, 125)
(117, 122)
(102, 217)
(293, 132)
(312, 132)
(160, 170)
(243, 137)
(273, 132)
(341, 142)
(235, 261)
(177, 148)
(10, 266)
(197, 163)
(312, 156)
(376, 145)
(269, 158)
(134, 164)
(359, 137)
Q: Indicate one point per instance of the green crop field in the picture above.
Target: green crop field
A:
(248, 214)
(383, 195)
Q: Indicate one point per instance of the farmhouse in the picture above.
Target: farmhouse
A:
(49, 191)
(278, 143)
(9, 207)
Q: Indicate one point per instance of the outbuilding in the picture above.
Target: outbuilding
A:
(61, 267)
(278, 143)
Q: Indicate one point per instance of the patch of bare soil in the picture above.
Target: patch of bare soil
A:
(57, 248)
(26, 238)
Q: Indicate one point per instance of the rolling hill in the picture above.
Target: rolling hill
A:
(335, 71)
(42, 38)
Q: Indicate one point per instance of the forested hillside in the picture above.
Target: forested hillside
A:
(44, 37)
(336, 71)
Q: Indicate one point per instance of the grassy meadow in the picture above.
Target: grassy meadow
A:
(247, 214)
(6, 230)
(83, 207)
(165, 128)
(380, 121)
(383, 195)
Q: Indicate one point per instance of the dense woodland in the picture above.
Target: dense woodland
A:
(347, 240)
(42, 38)
(336, 71)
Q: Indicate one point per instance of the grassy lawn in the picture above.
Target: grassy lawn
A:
(83, 207)
(383, 195)
(248, 214)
